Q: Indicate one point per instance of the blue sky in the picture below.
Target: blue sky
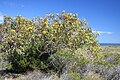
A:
(101, 15)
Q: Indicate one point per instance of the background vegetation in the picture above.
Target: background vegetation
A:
(60, 44)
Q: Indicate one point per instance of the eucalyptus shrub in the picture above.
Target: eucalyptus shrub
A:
(30, 43)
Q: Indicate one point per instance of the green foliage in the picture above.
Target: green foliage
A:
(102, 62)
(117, 59)
(67, 61)
(102, 59)
(30, 43)
(75, 76)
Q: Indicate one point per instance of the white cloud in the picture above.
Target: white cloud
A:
(1, 17)
(103, 32)
(0, 22)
